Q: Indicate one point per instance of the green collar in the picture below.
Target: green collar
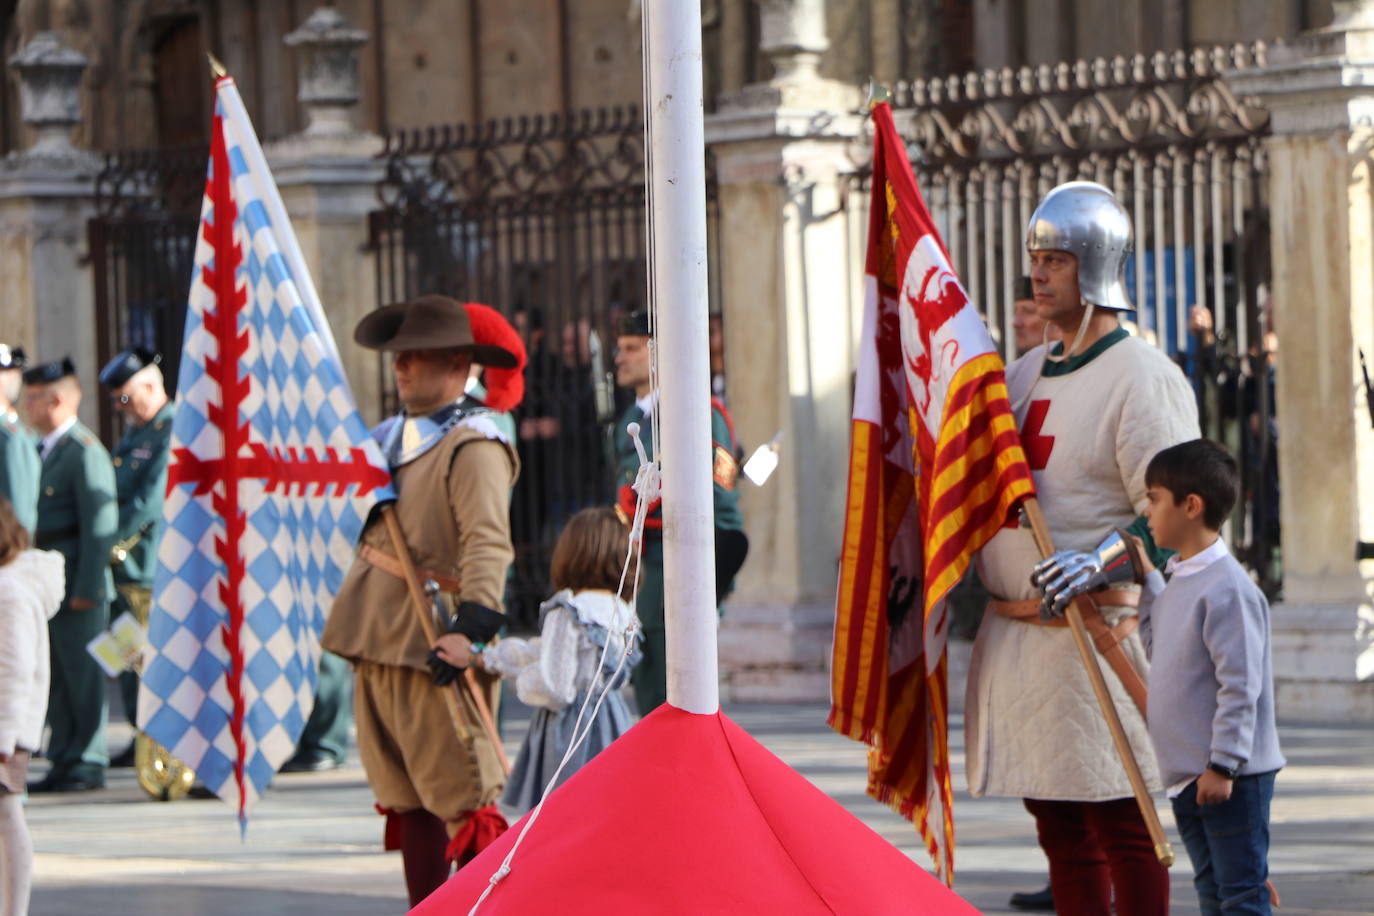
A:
(1052, 369)
(165, 414)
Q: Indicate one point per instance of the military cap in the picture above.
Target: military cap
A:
(430, 322)
(122, 368)
(1022, 289)
(635, 324)
(47, 373)
(12, 357)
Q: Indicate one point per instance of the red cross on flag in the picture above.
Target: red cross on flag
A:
(273, 474)
(936, 468)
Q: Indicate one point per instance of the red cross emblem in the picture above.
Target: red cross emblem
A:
(243, 459)
(1037, 447)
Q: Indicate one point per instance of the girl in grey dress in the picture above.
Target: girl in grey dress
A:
(554, 672)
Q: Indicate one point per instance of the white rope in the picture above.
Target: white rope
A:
(651, 299)
(1019, 406)
(1077, 338)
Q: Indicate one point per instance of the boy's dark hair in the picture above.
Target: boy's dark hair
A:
(591, 552)
(1203, 467)
(14, 538)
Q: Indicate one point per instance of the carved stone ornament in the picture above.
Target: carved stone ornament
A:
(327, 53)
(792, 34)
(1319, 83)
(1352, 14)
(793, 37)
(1074, 108)
(50, 89)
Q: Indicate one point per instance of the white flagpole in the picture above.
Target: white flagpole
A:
(677, 187)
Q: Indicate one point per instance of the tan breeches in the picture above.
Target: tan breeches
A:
(411, 749)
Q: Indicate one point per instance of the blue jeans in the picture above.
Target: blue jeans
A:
(1229, 846)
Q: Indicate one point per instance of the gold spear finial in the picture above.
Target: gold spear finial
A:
(216, 68)
(877, 93)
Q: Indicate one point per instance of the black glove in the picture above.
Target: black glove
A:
(479, 624)
(441, 671)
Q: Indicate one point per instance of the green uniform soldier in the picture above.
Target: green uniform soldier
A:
(77, 516)
(18, 448)
(632, 363)
(134, 381)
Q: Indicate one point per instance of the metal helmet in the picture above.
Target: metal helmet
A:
(1086, 220)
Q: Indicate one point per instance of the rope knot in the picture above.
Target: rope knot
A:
(648, 483)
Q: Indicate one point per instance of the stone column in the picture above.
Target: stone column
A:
(46, 197)
(781, 161)
(1320, 93)
(328, 177)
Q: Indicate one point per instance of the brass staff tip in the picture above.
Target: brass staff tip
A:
(877, 93)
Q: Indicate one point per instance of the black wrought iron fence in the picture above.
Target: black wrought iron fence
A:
(543, 218)
(142, 246)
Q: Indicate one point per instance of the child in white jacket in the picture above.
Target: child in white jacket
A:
(31, 586)
(554, 672)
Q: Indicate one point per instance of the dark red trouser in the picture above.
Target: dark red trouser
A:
(1096, 848)
(422, 838)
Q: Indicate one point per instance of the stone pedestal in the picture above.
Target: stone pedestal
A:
(328, 177)
(785, 247)
(46, 197)
(327, 57)
(1320, 92)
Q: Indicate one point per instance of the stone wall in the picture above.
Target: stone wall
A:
(425, 65)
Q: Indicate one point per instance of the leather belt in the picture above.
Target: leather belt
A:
(1106, 638)
(389, 564)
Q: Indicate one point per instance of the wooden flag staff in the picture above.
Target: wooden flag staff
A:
(1074, 614)
(468, 683)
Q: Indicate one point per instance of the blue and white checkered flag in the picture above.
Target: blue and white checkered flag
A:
(272, 477)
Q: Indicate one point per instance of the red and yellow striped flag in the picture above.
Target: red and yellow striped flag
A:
(935, 469)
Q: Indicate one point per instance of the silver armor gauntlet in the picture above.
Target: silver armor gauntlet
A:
(1070, 573)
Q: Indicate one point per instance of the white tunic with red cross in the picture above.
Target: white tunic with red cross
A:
(1090, 427)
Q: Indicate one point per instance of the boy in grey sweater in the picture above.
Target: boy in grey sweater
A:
(1211, 714)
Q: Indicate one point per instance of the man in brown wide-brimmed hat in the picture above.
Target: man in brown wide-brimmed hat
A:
(453, 469)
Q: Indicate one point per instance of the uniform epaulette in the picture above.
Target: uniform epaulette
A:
(484, 422)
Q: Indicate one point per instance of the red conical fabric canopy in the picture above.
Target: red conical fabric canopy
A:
(688, 814)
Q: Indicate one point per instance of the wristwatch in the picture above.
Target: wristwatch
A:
(1222, 770)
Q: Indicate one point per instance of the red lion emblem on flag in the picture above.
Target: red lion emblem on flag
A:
(927, 306)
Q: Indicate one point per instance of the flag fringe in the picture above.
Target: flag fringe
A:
(856, 731)
(893, 798)
(906, 807)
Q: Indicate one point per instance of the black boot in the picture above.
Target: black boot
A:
(1037, 901)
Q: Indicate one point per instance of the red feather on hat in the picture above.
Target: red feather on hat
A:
(505, 387)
